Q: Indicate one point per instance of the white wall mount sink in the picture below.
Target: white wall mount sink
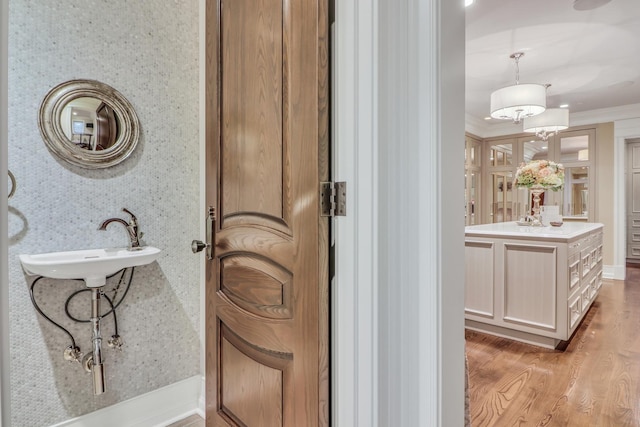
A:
(91, 265)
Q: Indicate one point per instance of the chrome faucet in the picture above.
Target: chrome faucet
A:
(131, 227)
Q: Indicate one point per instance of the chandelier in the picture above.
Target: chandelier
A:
(549, 122)
(520, 100)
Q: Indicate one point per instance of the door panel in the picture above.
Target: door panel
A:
(257, 286)
(253, 376)
(267, 284)
(252, 140)
(635, 192)
(635, 156)
(106, 127)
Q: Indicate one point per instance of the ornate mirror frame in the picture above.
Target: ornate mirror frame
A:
(49, 122)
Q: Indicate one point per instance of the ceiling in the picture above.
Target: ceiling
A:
(590, 57)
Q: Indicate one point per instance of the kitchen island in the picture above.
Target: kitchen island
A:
(531, 284)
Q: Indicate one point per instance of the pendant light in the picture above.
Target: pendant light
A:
(550, 122)
(520, 100)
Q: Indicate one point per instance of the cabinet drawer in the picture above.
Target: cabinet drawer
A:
(634, 250)
(585, 297)
(599, 284)
(598, 238)
(578, 245)
(573, 247)
(593, 257)
(585, 257)
(574, 271)
(593, 287)
(575, 311)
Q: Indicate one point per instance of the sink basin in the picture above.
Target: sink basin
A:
(91, 265)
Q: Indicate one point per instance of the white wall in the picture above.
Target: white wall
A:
(150, 54)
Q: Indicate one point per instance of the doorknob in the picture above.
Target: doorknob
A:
(199, 245)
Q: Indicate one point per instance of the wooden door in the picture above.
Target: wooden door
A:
(106, 127)
(267, 285)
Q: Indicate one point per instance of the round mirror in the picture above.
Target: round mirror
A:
(88, 123)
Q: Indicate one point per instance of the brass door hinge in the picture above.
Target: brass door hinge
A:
(333, 198)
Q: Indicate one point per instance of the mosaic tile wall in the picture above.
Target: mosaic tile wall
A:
(149, 52)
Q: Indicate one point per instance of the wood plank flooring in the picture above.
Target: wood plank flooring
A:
(192, 421)
(594, 381)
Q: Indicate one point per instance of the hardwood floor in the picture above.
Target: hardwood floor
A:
(594, 381)
(192, 421)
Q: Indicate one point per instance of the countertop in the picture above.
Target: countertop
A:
(566, 232)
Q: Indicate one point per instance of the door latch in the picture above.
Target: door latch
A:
(199, 245)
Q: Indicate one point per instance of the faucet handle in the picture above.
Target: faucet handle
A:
(133, 217)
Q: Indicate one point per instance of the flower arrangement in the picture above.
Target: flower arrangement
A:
(540, 173)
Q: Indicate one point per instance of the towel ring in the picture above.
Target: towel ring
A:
(13, 184)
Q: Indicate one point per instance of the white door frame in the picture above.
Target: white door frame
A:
(354, 313)
(398, 278)
(623, 130)
(4, 214)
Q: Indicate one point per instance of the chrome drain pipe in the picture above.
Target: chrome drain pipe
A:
(94, 364)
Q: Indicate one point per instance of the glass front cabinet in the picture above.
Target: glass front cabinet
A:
(501, 201)
(472, 178)
(576, 151)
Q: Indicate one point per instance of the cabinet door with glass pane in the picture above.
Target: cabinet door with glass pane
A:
(472, 169)
(575, 150)
(500, 195)
(534, 148)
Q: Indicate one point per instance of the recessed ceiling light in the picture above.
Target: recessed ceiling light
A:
(545, 147)
(564, 105)
(468, 3)
(487, 118)
(588, 4)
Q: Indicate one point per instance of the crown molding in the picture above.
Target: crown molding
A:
(474, 125)
(605, 115)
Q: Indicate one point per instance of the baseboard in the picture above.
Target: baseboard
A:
(202, 402)
(615, 272)
(158, 408)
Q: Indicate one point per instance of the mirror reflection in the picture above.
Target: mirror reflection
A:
(574, 148)
(500, 155)
(576, 191)
(574, 154)
(535, 150)
(501, 199)
(90, 124)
